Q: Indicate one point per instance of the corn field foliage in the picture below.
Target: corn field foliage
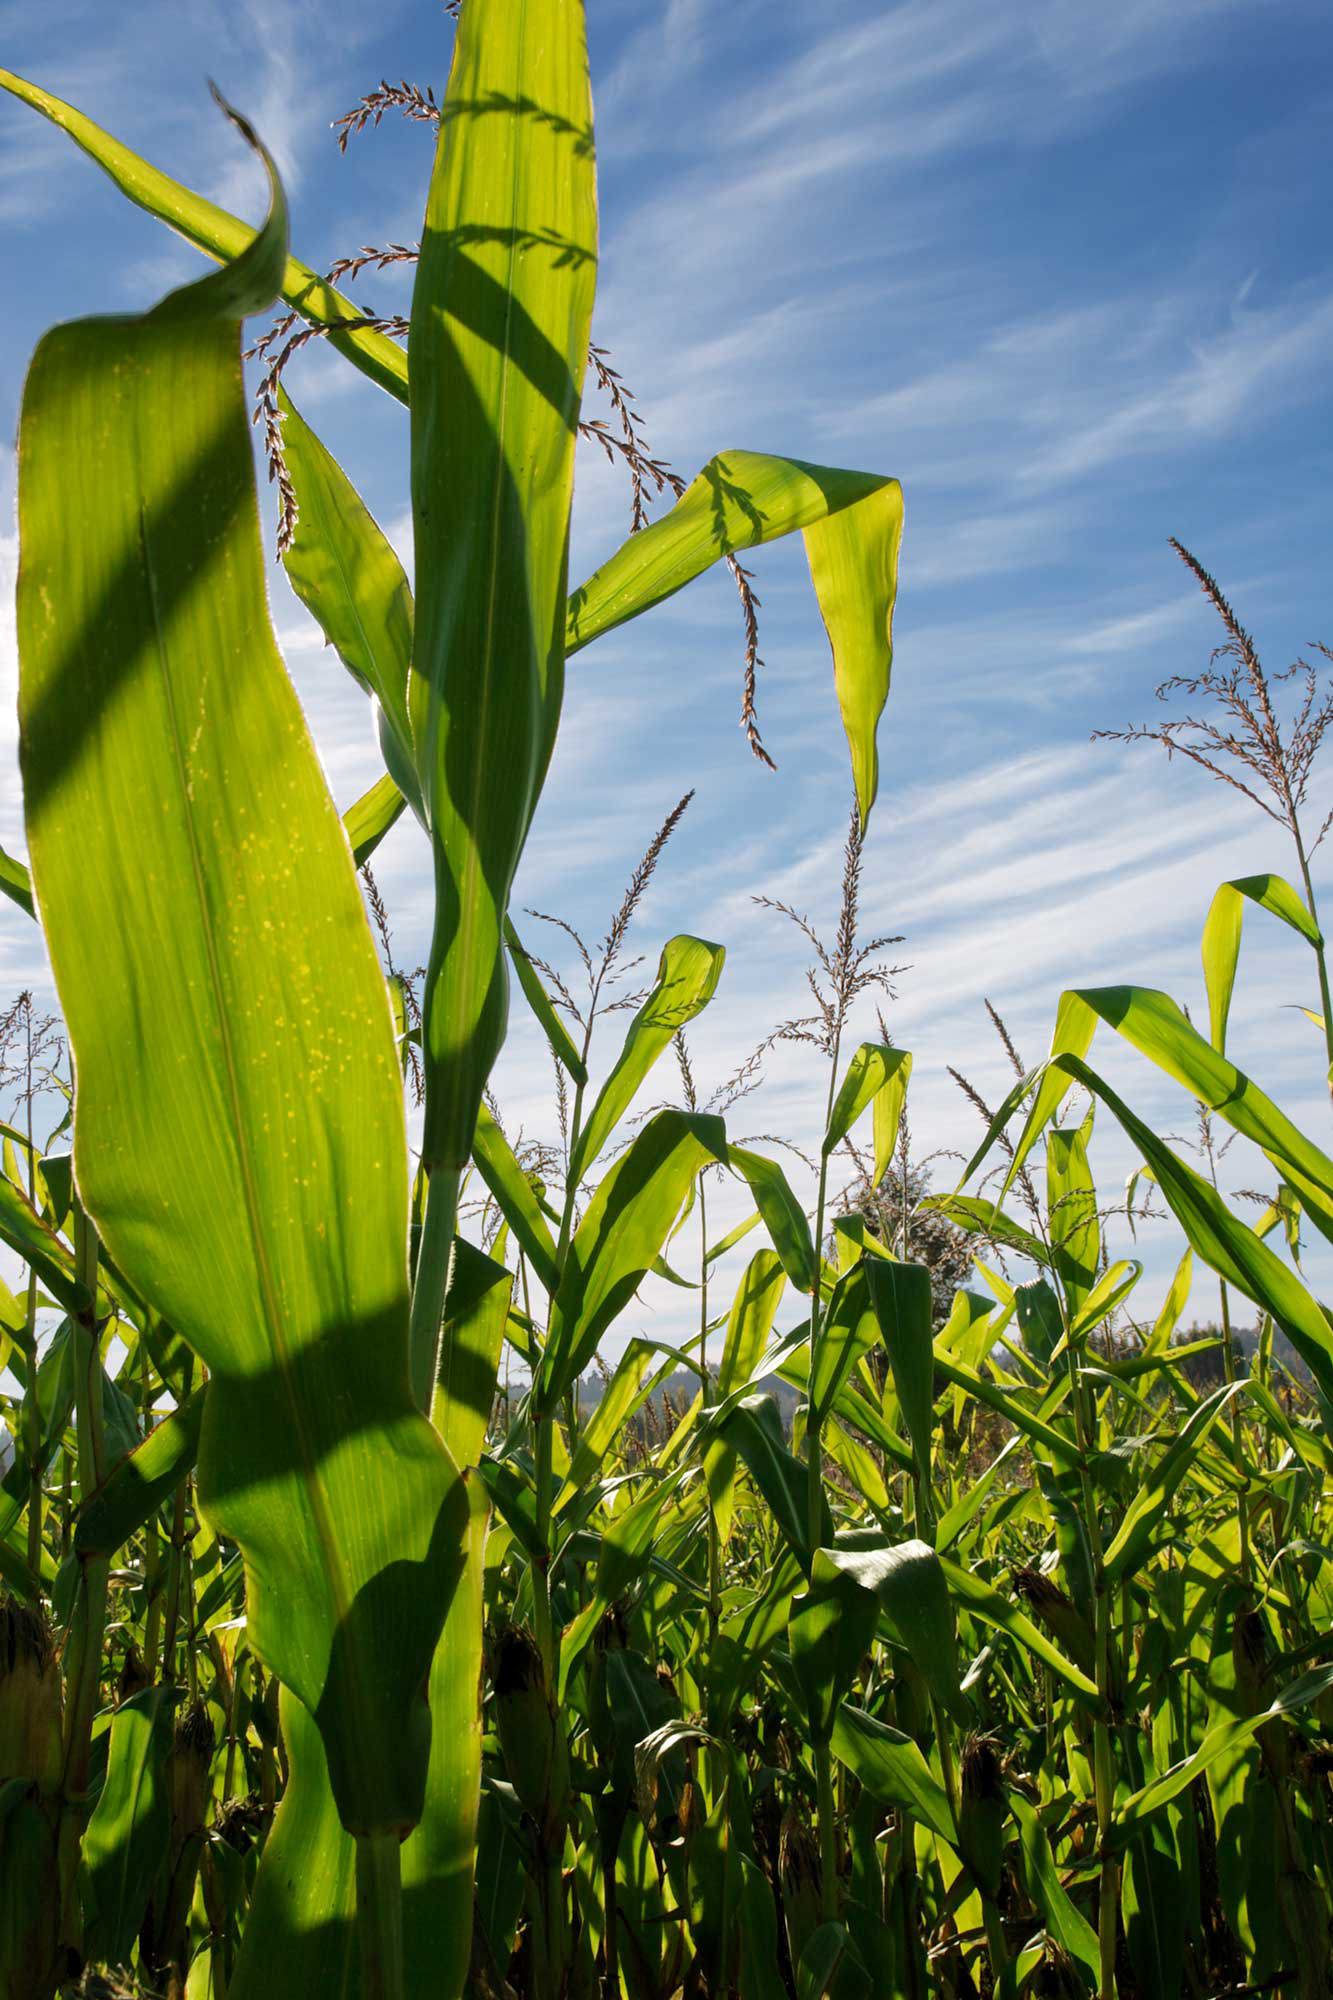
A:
(346, 1647)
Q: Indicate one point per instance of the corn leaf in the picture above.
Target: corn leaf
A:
(740, 499)
(1221, 937)
(1066, 1924)
(246, 1167)
(498, 345)
(342, 568)
(853, 557)
(16, 883)
(875, 1068)
(220, 235)
(1133, 1539)
(687, 976)
(369, 818)
(749, 1324)
(901, 1296)
(142, 1481)
(126, 1843)
(892, 1768)
(909, 1584)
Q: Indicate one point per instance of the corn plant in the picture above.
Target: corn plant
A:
(238, 1191)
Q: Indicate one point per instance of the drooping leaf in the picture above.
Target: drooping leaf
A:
(909, 1584)
(853, 557)
(874, 1069)
(222, 236)
(753, 1428)
(247, 1170)
(1221, 937)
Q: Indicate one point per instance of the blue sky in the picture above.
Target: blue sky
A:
(1066, 271)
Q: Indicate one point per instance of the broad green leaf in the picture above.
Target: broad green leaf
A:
(1115, 1284)
(687, 976)
(629, 1218)
(1154, 1025)
(222, 236)
(848, 1404)
(300, 1932)
(1221, 937)
(875, 1068)
(623, 1230)
(141, 1482)
(853, 557)
(498, 345)
(127, 1840)
(342, 568)
(784, 1218)
(891, 1766)
(1040, 1322)
(247, 1170)
(1134, 1537)
(886, 1116)
(621, 1399)
(830, 1629)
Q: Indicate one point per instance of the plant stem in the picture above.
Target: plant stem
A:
(379, 1915)
(828, 1826)
(88, 1626)
(1325, 999)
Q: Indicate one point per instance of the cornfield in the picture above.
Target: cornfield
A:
(347, 1646)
